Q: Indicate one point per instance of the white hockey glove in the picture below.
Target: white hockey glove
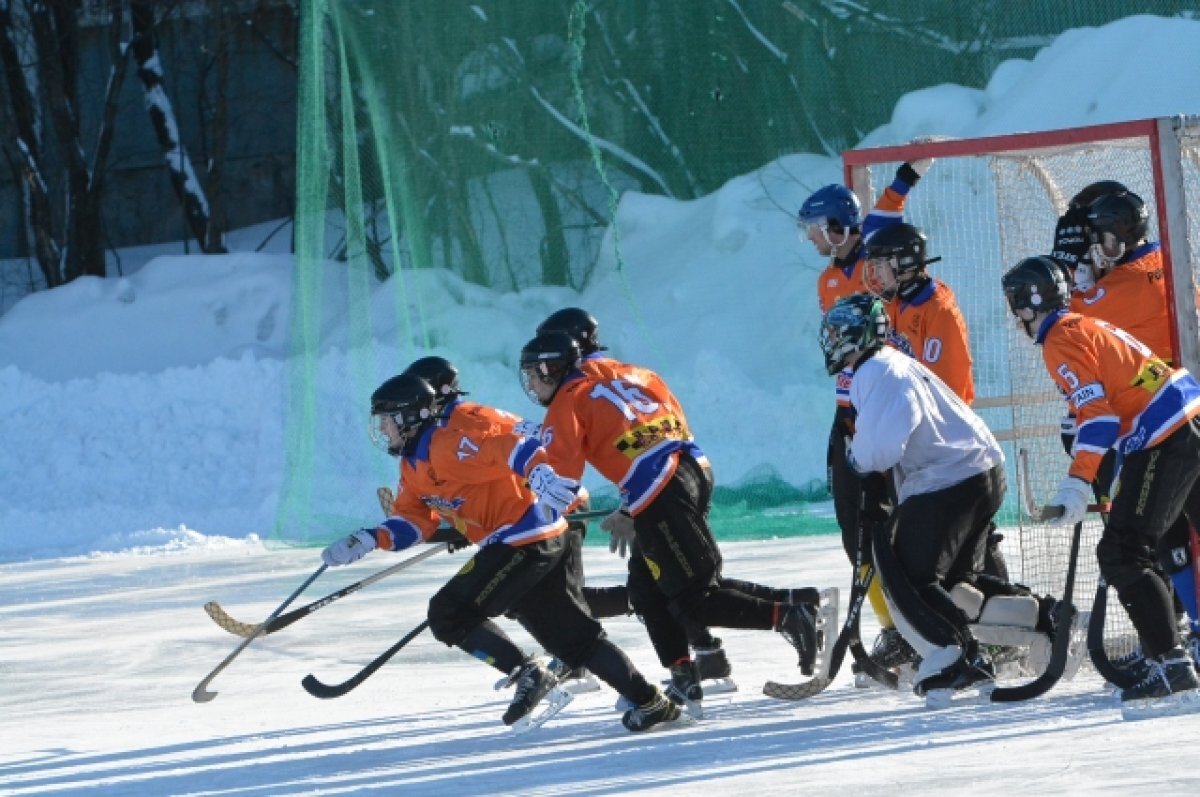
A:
(349, 549)
(1070, 503)
(528, 429)
(620, 525)
(921, 165)
(554, 492)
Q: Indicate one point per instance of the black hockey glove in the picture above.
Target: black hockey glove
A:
(1070, 239)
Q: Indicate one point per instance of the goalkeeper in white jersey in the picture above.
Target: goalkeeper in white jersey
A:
(949, 479)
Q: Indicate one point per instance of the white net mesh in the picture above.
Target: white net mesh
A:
(987, 204)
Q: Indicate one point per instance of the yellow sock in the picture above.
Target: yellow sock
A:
(875, 596)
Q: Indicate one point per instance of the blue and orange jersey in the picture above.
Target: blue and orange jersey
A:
(1133, 296)
(844, 276)
(623, 421)
(931, 329)
(1123, 395)
(469, 469)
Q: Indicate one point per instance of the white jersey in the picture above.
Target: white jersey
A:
(909, 421)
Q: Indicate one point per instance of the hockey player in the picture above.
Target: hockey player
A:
(949, 479)
(831, 219)
(626, 423)
(1120, 280)
(465, 464)
(711, 662)
(1126, 398)
(922, 311)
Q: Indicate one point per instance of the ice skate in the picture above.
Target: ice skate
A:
(684, 687)
(1169, 686)
(533, 681)
(715, 670)
(658, 710)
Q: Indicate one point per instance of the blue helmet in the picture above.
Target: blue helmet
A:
(833, 203)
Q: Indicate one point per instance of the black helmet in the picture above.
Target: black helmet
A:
(579, 324)
(1090, 193)
(902, 246)
(855, 323)
(549, 357)
(1123, 215)
(441, 375)
(410, 403)
(1037, 284)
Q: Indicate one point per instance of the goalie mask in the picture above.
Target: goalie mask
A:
(895, 255)
(545, 362)
(579, 324)
(1035, 285)
(855, 323)
(402, 408)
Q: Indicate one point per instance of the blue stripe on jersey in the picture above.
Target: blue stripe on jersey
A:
(1173, 402)
(648, 470)
(404, 534)
(1098, 434)
(522, 452)
(529, 526)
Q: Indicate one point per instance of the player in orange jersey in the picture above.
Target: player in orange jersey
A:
(1120, 279)
(626, 423)
(710, 661)
(1125, 398)
(831, 220)
(922, 310)
(464, 463)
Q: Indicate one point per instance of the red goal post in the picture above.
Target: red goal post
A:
(989, 202)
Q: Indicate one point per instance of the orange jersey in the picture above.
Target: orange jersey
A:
(842, 278)
(1133, 297)
(624, 421)
(470, 469)
(931, 329)
(1124, 396)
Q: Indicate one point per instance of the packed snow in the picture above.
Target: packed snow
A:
(143, 463)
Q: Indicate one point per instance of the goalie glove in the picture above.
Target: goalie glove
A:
(349, 549)
(620, 525)
(1070, 238)
(1070, 503)
(555, 493)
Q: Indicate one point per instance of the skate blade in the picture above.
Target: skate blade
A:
(826, 621)
(718, 686)
(1179, 703)
(580, 686)
(938, 699)
(554, 701)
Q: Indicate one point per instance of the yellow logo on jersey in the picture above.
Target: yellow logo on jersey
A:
(467, 568)
(649, 434)
(1152, 375)
(655, 570)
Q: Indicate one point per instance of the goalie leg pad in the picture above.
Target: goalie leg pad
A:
(1013, 610)
(968, 599)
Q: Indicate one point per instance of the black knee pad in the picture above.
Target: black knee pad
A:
(1122, 564)
(447, 621)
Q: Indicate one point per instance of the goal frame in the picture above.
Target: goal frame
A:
(1166, 157)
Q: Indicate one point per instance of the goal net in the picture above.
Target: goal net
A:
(988, 203)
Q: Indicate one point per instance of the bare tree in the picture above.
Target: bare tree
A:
(166, 129)
(38, 47)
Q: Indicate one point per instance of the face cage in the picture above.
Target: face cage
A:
(1102, 244)
(835, 346)
(380, 438)
(875, 274)
(532, 374)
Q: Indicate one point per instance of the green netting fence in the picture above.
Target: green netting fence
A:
(478, 150)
